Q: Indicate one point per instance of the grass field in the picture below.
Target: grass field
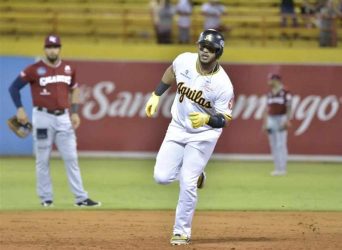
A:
(128, 184)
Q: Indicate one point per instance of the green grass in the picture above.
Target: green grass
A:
(128, 184)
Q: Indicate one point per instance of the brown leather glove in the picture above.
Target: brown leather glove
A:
(21, 130)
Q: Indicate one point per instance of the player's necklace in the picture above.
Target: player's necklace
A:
(207, 75)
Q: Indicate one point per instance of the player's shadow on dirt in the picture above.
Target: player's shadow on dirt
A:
(236, 239)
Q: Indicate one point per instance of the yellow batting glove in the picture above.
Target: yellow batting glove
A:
(198, 119)
(152, 104)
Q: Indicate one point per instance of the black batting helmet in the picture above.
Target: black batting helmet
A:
(213, 38)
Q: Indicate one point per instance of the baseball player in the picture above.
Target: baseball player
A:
(277, 121)
(53, 86)
(201, 108)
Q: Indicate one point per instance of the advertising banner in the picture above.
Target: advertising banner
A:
(113, 96)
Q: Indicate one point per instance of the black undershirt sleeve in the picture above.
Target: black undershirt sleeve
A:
(14, 90)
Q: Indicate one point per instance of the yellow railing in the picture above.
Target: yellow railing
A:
(132, 22)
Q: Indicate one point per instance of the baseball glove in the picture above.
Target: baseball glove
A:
(21, 130)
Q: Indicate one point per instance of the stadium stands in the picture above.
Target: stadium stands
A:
(130, 21)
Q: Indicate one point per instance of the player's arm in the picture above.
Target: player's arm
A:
(75, 119)
(14, 91)
(223, 107)
(218, 120)
(264, 119)
(288, 110)
(167, 80)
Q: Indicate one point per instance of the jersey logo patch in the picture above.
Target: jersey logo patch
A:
(41, 71)
(53, 39)
(231, 104)
(67, 69)
(186, 74)
(193, 95)
(44, 92)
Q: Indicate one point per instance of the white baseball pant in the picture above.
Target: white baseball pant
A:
(183, 160)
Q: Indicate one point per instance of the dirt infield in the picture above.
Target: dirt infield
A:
(152, 229)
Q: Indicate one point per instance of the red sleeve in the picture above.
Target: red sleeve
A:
(74, 83)
(27, 75)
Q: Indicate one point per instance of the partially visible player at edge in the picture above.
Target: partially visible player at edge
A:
(53, 85)
(201, 108)
(276, 122)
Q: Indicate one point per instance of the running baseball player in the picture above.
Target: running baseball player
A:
(201, 108)
(277, 121)
(53, 85)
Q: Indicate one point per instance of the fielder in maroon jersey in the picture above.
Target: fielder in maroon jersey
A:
(54, 118)
(277, 121)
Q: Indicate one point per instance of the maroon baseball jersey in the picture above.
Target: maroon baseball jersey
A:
(277, 103)
(50, 86)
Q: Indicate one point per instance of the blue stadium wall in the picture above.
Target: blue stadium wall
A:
(10, 68)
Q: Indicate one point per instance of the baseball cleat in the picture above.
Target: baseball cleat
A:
(47, 203)
(179, 239)
(278, 173)
(201, 180)
(88, 203)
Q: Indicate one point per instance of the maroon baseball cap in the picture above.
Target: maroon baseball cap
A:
(274, 76)
(52, 40)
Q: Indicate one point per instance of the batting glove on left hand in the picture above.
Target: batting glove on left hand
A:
(198, 119)
(152, 104)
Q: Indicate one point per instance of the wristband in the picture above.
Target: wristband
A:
(74, 108)
(161, 88)
(217, 121)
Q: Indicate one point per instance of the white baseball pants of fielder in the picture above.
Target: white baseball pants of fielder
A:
(278, 141)
(49, 129)
(182, 156)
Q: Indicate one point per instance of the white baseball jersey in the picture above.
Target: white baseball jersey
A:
(211, 94)
(185, 151)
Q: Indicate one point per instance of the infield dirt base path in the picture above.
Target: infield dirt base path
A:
(89, 229)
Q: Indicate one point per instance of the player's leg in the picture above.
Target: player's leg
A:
(196, 156)
(283, 145)
(169, 161)
(279, 152)
(271, 128)
(280, 145)
(43, 137)
(66, 145)
(272, 138)
(275, 140)
(283, 153)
